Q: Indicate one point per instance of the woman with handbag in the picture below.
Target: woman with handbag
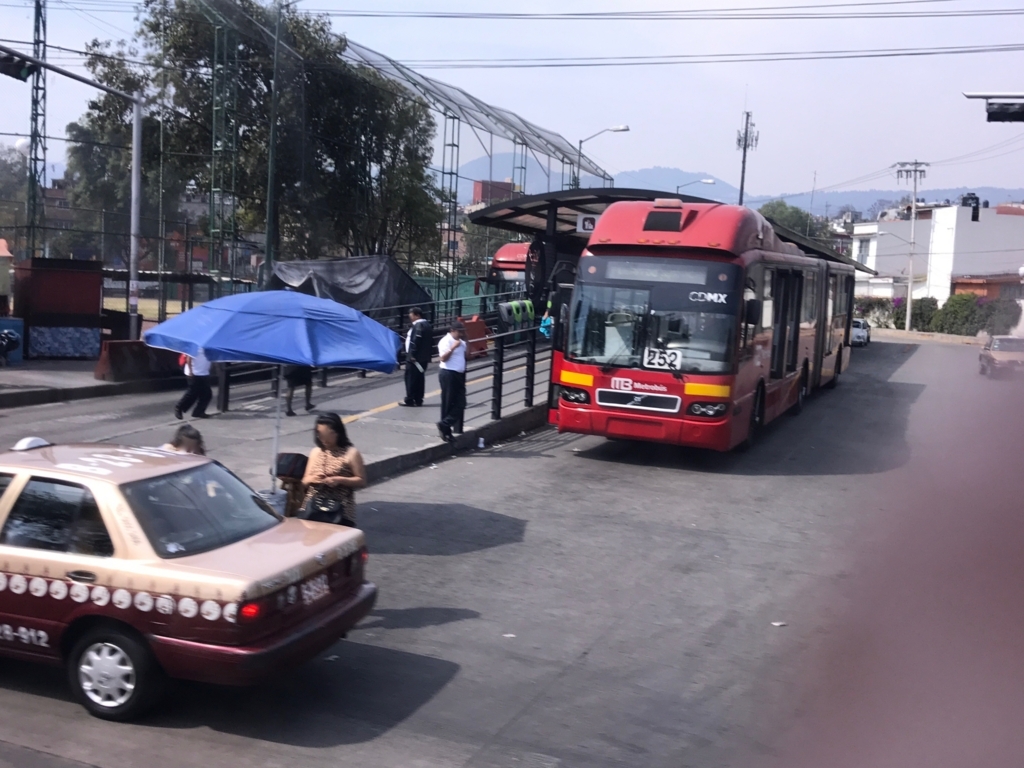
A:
(334, 472)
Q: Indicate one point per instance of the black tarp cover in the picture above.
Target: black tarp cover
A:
(366, 283)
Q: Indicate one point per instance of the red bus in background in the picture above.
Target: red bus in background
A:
(694, 324)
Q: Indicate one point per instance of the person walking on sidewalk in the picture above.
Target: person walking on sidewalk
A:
(197, 369)
(452, 353)
(298, 376)
(418, 343)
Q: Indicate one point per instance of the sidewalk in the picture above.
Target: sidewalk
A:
(391, 438)
(891, 334)
(34, 382)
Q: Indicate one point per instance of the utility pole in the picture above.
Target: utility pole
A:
(8, 57)
(746, 140)
(913, 170)
(37, 147)
(268, 261)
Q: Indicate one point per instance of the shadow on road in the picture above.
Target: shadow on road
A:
(351, 694)
(416, 618)
(409, 528)
(863, 424)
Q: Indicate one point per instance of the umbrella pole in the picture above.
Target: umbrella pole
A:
(277, 429)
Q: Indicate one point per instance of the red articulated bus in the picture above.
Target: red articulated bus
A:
(694, 324)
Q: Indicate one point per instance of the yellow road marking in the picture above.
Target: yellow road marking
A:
(435, 393)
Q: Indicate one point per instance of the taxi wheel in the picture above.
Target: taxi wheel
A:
(113, 674)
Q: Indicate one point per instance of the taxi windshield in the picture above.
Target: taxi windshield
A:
(197, 510)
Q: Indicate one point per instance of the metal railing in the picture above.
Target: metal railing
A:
(517, 360)
(508, 373)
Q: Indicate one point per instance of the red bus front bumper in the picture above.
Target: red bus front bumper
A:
(232, 665)
(714, 434)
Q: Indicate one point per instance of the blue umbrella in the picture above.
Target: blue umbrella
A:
(282, 327)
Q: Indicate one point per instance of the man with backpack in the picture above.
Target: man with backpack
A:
(199, 391)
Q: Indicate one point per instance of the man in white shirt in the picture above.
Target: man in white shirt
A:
(197, 369)
(452, 352)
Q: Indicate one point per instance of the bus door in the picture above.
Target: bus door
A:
(828, 365)
(785, 333)
(788, 286)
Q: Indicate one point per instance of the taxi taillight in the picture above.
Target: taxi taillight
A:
(364, 555)
(250, 612)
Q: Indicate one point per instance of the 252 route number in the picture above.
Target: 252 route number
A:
(25, 635)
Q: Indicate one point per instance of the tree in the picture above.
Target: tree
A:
(481, 243)
(352, 152)
(797, 219)
(13, 186)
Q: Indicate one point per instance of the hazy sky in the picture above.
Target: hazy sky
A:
(841, 119)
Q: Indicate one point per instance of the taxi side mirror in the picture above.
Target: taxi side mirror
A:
(752, 311)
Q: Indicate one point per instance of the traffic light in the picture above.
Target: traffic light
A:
(17, 67)
(1003, 112)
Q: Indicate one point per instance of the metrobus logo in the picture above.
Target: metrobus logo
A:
(628, 385)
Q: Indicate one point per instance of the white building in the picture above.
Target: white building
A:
(951, 241)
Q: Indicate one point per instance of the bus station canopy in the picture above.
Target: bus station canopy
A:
(557, 214)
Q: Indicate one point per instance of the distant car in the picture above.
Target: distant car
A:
(1001, 355)
(132, 565)
(860, 333)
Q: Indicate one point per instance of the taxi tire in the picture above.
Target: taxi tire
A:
(150, 680)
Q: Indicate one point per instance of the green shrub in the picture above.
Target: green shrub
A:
(877, 310)
(1001, 316)
(923, 312)
(961, 315)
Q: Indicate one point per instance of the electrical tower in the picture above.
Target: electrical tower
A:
(36, 213)
(448, 266)
(224, 143)
(913, 170)
(746, 140)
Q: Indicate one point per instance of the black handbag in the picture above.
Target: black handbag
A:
(322, 509)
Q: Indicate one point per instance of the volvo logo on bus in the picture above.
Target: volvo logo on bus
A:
(714, 298)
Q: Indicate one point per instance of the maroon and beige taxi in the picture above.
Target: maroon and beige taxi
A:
(132, 565)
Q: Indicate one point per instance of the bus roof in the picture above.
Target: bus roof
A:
(729, 228)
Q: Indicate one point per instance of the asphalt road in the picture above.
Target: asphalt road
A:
(566, 601)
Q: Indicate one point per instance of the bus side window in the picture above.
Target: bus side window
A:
(750, 286)
(809, 309)
(830, 312)
(767, 300)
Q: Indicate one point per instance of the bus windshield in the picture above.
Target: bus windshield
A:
(657, 313)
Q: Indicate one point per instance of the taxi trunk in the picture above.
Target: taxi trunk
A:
(301, 589)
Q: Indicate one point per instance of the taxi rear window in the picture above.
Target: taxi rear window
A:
(197, 510)
(5, 480)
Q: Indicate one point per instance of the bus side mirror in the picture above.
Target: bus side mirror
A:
(752, 311)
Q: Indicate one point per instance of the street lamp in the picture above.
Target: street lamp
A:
(698, 181)
(579, 157)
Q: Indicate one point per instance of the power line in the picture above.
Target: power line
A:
(728, 58)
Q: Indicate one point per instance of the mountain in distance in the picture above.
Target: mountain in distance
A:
(862, 200)
(537, 181)
(664, 179)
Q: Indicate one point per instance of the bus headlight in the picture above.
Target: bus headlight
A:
(577, 396)
(707, 409)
